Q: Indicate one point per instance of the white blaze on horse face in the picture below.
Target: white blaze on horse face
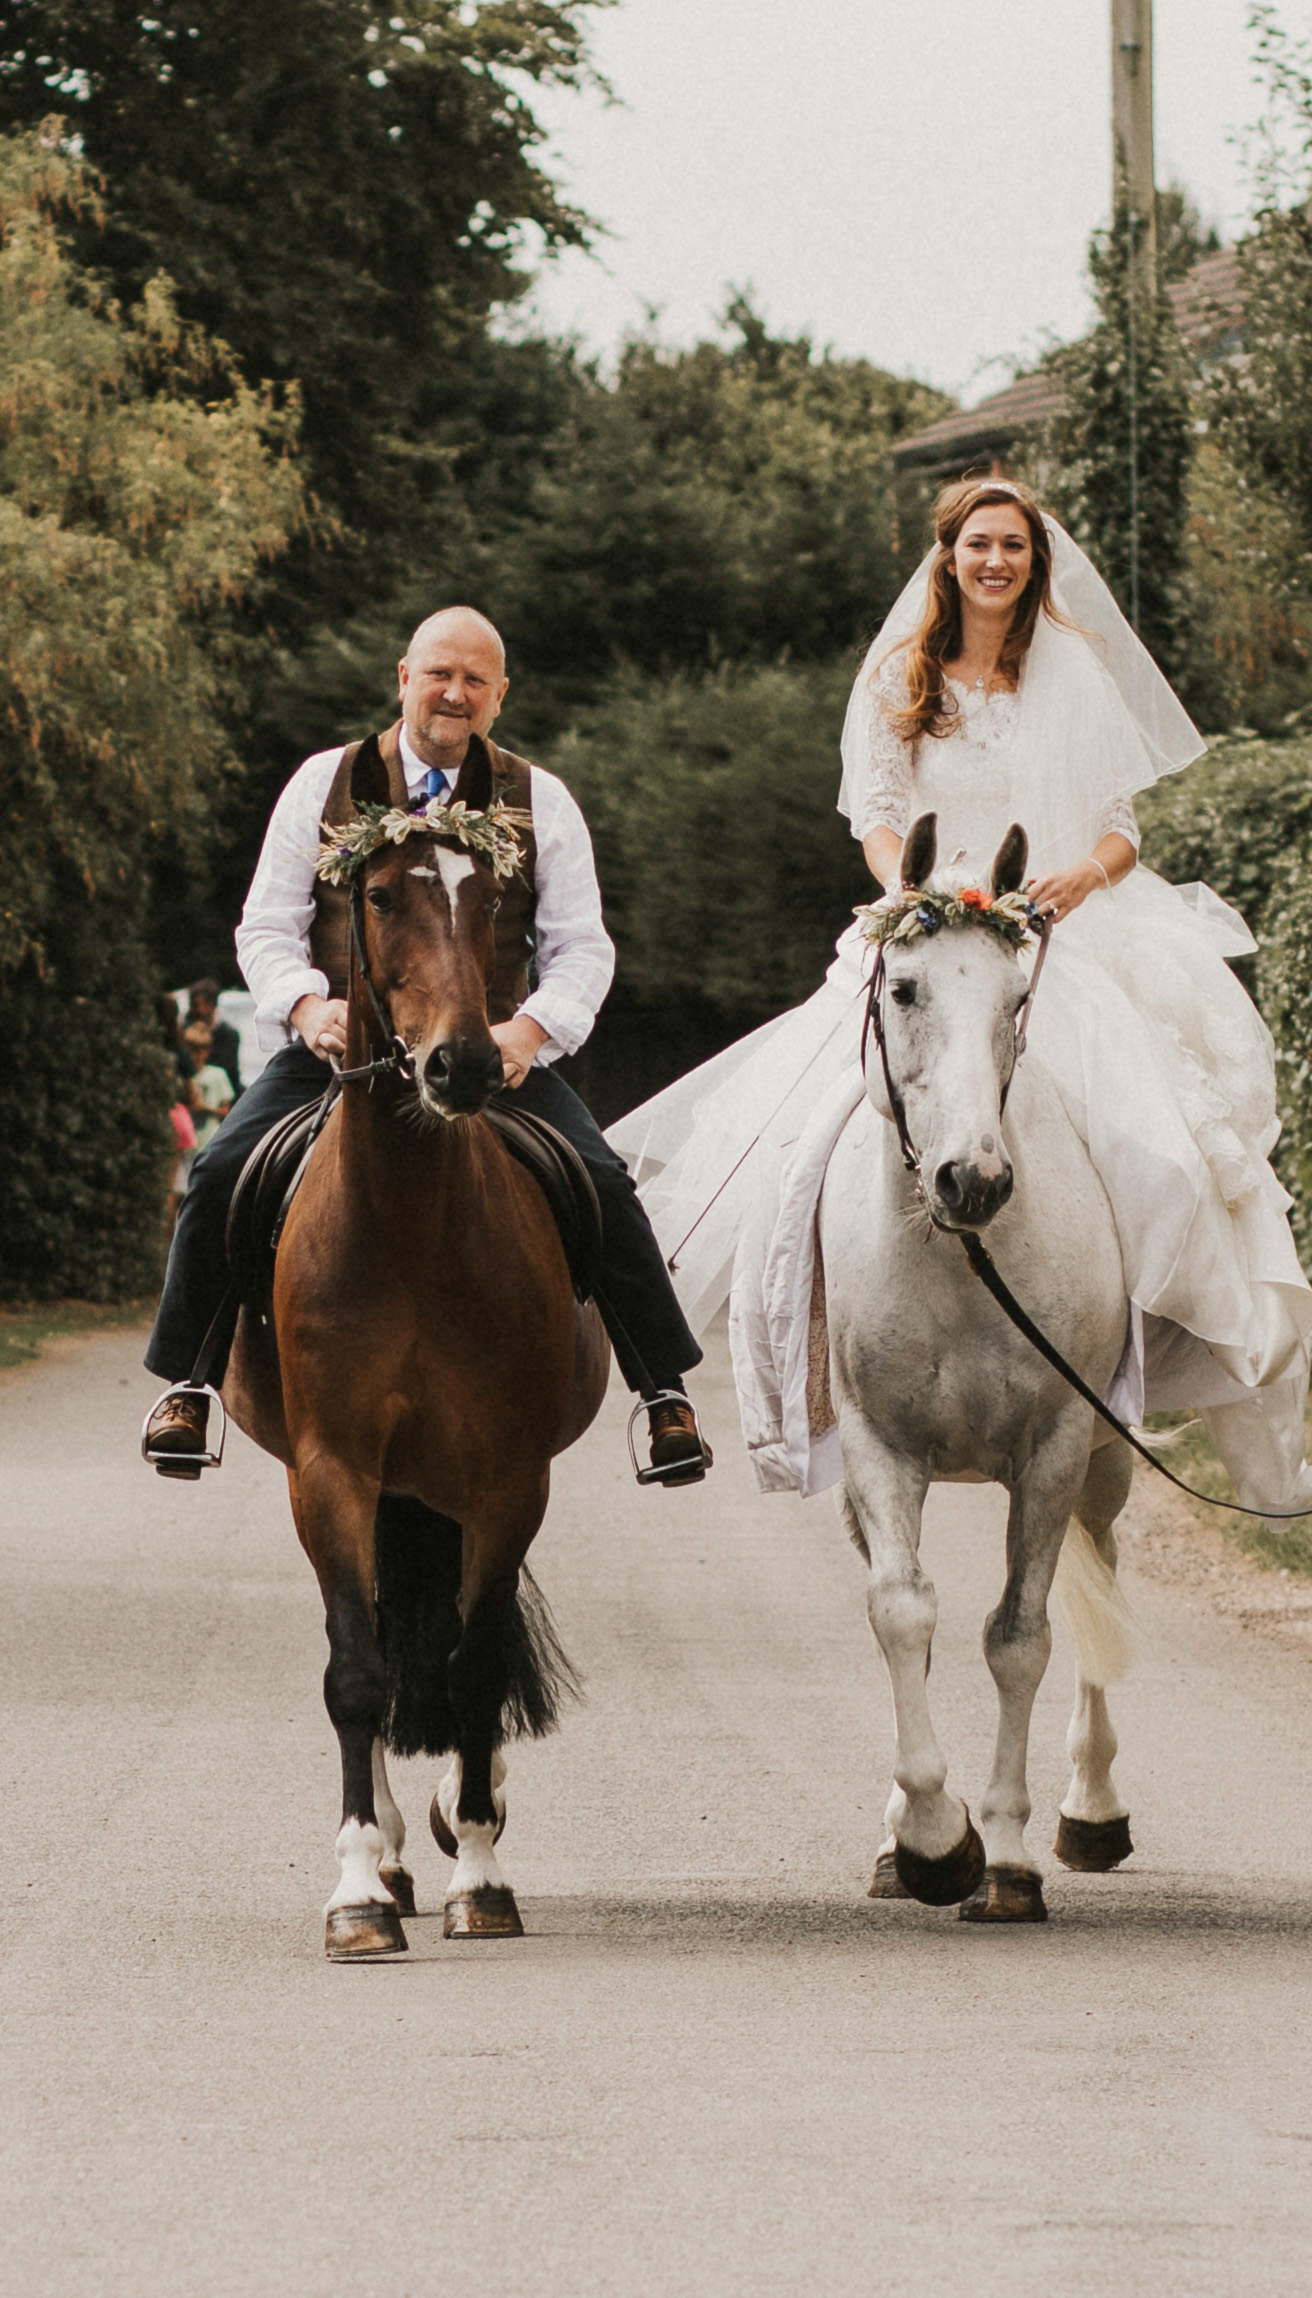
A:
(452, 870)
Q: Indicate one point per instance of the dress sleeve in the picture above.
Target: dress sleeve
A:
(1118, 815)
(890, 762)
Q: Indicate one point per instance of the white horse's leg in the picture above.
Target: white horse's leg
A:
(1091, 1745)
(1093, 1831)
(393, 1871)
(1017, 1645)
(938, 1854)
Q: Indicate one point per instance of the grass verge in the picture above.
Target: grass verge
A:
(1192, 1457)
(25, 1330)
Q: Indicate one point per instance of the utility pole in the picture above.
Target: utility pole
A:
(1132, 126)
(1134, 180)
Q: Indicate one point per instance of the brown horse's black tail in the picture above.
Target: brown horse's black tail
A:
(417, 1582)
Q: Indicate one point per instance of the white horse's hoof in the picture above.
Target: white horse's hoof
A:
(942, 1882)
(1094, 1846)
(1006, 1895)
(887, 1883)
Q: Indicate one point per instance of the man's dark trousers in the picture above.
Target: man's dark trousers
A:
(647, 1327)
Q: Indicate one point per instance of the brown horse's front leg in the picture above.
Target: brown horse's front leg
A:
(479, 1902)
(335, 1518)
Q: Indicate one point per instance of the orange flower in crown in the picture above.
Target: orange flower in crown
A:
(974, 898)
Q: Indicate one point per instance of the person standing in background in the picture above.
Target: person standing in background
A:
(225, 1044)
(211, 1083)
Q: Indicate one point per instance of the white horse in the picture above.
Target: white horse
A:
(932, 1384)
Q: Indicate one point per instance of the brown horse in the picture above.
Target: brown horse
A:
(424, 1362)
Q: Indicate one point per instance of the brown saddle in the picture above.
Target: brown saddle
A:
(276, 1166)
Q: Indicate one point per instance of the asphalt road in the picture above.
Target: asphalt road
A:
(714, 2068)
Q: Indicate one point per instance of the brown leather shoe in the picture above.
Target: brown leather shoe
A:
(677, 1446)
(178, 1424)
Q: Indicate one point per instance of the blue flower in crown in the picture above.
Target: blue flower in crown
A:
(1033, 916)
(930, 920)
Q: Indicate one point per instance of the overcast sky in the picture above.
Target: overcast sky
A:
(911, 180)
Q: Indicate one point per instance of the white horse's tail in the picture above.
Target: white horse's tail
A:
(1097, 1617)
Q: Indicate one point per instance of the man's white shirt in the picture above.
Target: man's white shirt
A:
(575, 956)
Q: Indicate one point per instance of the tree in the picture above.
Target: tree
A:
(727, 502)
(1260, 403)
(711, 796)
(339, 195)
(134, 518)
(1183, 239)
(1121, 445)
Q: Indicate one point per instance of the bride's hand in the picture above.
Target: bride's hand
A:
(1064, 890)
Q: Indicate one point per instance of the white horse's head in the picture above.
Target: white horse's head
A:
(950, 1009)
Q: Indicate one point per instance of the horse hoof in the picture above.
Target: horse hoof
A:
(942, 1882)
(401, 1883)
(363, 1934)
(888, 1883)
(1006, 1895)
(445, 1840)
(490, 1914)
(1094, 1846)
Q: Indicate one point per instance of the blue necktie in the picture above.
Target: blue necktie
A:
(436, 784)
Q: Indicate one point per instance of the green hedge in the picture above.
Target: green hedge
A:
(1285, 996)
(1233, 820)
(1242, 820)
(86, 1147)
(726, 870)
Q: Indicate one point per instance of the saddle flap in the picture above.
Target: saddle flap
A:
(565, 1183)
(265, 1187)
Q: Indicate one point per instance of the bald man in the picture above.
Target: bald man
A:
(452, 684)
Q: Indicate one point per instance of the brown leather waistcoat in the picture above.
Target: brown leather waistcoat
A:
(330, 930)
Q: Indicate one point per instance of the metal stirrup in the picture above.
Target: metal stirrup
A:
(670, 1471)
(213, 1456)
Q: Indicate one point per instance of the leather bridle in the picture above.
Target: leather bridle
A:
(873, 1025)
(400, 1062)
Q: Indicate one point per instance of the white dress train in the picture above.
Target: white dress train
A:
(1164, 1067)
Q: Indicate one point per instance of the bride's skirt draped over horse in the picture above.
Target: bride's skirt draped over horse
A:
(1166, 1070)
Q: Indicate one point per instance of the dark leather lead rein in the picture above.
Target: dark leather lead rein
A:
(985, 1267)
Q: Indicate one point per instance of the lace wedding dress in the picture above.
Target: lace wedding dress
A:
(1160, 1059)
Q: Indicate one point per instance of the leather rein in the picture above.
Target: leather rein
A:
(400, 1062)
(981, 1260)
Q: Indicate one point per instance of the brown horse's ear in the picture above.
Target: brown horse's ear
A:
(919, 850)
(474, 782)
(1010, 860)
(369, 784)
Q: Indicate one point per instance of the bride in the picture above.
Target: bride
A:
(1007, 686)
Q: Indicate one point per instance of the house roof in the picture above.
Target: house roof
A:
(1209, 309)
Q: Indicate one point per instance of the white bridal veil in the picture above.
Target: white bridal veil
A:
(1097, 723)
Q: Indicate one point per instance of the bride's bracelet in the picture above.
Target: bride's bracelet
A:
(1101, 872)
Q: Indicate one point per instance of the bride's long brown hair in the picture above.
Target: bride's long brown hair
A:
(931, 706)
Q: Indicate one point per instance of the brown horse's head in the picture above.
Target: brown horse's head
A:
(427, 912)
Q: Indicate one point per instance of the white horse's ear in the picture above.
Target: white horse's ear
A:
(1010, 860)
(919, 850)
